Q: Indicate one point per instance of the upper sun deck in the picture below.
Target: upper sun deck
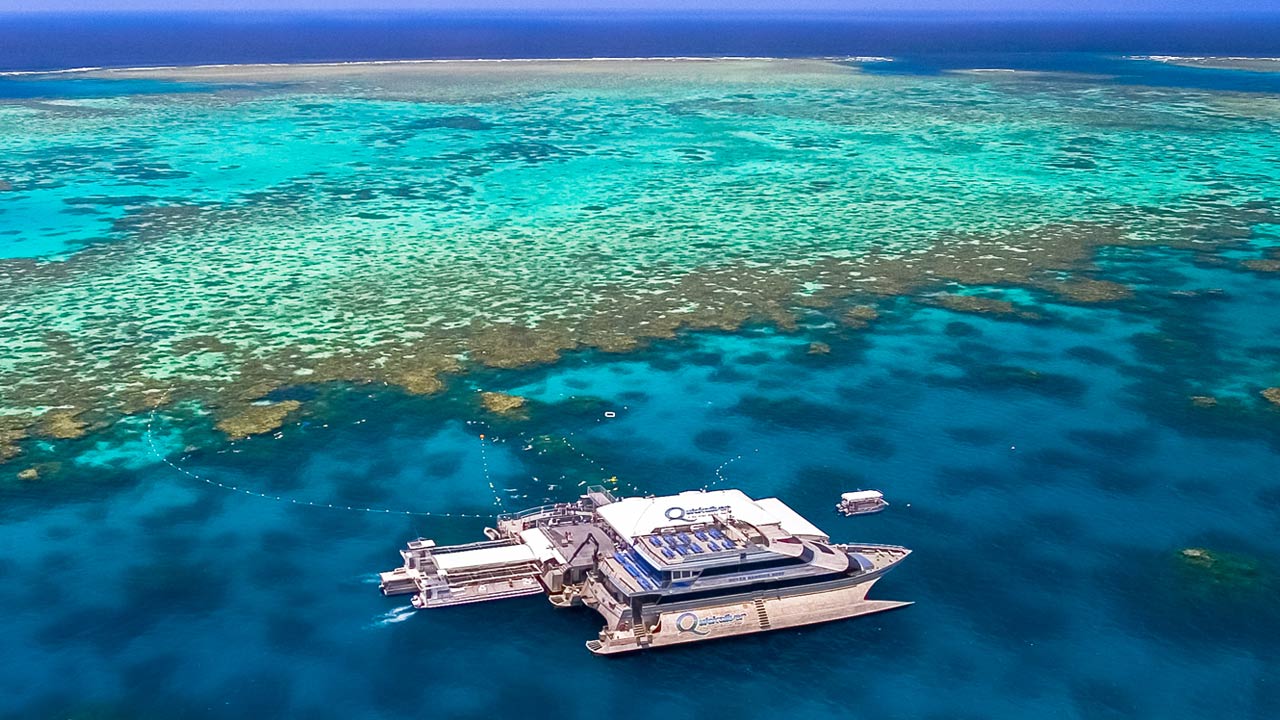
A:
(723, 538)
(634, 518)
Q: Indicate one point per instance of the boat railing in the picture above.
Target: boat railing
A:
(603, 491)
(530, 512)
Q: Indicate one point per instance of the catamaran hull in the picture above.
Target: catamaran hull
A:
(743, 617)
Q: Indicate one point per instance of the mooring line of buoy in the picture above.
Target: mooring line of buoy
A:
(720, 471)
(611, 479)
(484, 464)
(283, 499)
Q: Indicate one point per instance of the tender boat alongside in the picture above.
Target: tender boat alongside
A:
(861, 502)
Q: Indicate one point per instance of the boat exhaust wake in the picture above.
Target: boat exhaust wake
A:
(395, 615)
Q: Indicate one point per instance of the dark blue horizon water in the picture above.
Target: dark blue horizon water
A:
(51, 42)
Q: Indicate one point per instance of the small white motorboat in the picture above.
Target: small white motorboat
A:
(861, 502)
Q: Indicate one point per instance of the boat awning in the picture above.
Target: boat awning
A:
(635, 517)
(501, 555)
(789, 520)
(862, 495)
(541, 545)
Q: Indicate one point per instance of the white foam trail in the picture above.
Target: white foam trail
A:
(395, 615)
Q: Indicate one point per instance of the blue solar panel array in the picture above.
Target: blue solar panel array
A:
(683, 543)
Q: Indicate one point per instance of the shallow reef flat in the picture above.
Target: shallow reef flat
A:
(1251, 64)
(217, 234)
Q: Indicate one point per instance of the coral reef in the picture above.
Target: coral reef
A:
(1224, 570)
(1088, 290)
(1204, 401)
(60, 424)
(859, 316)
(29, 474)
(819, 348)
(502, 403)
(1272, 394)
(12, 429)
(419, 382)
(507, 345)
(611, 265)
(257, 419)
(1265, 265)
(974, 304)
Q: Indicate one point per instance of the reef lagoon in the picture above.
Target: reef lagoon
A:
(250, 314)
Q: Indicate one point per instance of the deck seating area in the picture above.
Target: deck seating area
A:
(638, 569)
(682, 544)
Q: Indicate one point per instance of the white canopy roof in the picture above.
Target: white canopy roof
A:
(790, 520)
(501, 555)
(541, 545)
(634, 517)
(862, 495)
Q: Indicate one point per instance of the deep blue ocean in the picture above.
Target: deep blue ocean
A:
(1047, 509)
(1046, 473)
(44, 42)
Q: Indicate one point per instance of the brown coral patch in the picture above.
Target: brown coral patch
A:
(859, 316)
(973, 304)
(1268, 265)
(257, 419)
(29, 474)
(1088, 290)
(419, 382)
(60, 424)
(12, 429)
(1272, 395)
(1204, 401)
(507, 345)
(819, 348)
(502, 403)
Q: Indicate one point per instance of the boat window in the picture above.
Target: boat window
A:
(752, 567)
(754, 587)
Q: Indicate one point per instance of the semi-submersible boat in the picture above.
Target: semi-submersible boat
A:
(661, 570)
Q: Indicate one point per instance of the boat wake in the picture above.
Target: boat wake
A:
(395, 615)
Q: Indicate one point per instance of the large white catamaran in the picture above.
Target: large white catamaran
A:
(661, 570)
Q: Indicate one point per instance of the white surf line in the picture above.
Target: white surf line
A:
(61, 71)
(293, 501)
(442, 61)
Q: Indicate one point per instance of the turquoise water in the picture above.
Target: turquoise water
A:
(1047, 462)
(280, 227)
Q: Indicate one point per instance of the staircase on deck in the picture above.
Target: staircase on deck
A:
(762, 615)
